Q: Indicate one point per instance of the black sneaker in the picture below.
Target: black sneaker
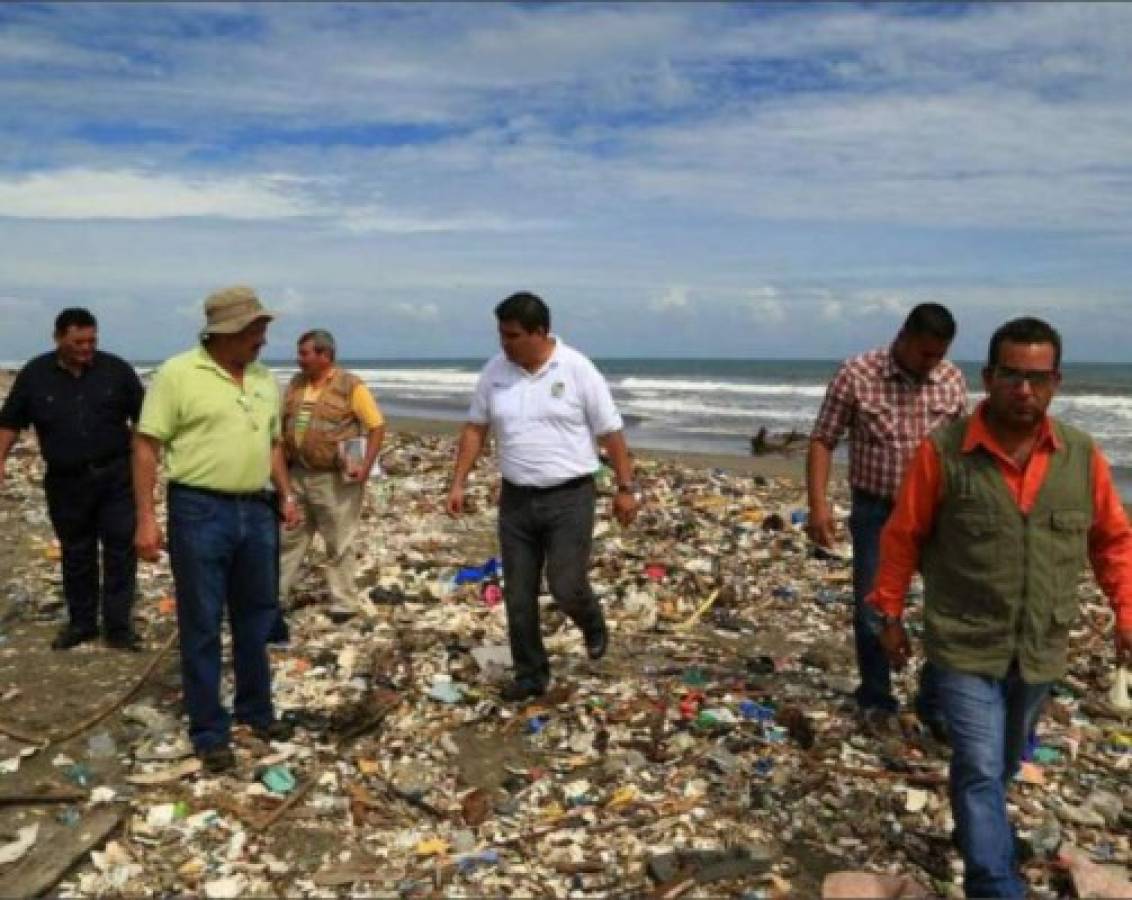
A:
(129, 642)
(71, 637)
(276, 730)
(217, 759)
(877, 722)
(279, 636)
(517, 691)
(597, 640)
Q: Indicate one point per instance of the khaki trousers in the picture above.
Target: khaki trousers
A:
(331, 508)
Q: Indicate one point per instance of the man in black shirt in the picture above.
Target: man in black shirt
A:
(82, 403)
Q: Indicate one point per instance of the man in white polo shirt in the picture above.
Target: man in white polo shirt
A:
(547, 404)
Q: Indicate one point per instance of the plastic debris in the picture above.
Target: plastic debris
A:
(25, 840)
(1120, 694)
(476, 574)
(278, 779)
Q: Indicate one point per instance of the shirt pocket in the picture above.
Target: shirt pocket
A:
(1070, 528)
(976, 525)
(47, 412)
(109, 402)
(561, 404)
(506, 407)
(876, 422)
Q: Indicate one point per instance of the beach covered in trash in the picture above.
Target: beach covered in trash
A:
(714, 751)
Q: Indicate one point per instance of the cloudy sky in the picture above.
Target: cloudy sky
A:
(756, 180)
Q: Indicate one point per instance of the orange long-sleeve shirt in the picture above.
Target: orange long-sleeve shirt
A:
(913, 517)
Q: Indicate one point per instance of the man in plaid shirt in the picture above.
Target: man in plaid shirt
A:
(888, 399)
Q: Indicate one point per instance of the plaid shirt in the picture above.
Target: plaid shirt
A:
(887, 413)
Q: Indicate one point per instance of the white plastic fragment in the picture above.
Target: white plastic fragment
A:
(24, 841)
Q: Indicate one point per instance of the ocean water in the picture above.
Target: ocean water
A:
(716, 405)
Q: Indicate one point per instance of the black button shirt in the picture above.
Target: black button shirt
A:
(78, 420)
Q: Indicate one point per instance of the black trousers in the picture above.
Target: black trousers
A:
(551, 528)
(90, 509)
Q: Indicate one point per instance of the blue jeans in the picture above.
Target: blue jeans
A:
(989, 720)
(225, 554)
(867, 518)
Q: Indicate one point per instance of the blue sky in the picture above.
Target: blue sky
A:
(759, 180)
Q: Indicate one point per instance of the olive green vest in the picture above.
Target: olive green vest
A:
(1000, 585)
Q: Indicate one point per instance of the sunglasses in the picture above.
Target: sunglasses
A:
(1038, 378)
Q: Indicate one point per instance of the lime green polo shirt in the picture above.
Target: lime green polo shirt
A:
(217, 434)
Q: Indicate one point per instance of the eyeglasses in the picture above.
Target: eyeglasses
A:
(1038, 378)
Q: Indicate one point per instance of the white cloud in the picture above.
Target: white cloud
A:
(766, 305)
(867, 305)
(87, 194)
(674, 299)
(415, 312)
(373, 219)
(832, 310)
(853, 159)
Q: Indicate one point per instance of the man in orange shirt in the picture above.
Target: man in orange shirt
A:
(1000, 511)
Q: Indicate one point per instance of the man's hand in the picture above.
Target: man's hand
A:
(148, 539)
(894, 641)
(820, 527)
(289, 513)
(1124, 646)
(625, 508)
(454, 505)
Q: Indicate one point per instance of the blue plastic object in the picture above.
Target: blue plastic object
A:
(749, 709)
(476, 574)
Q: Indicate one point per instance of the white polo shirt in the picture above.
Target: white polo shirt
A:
(545, 423)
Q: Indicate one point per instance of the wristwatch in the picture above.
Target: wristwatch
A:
(631, 488)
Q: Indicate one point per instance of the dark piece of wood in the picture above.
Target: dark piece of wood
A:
(31, 798)
(49, 860)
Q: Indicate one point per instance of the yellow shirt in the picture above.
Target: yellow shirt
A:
(362, 404)
(217, 435)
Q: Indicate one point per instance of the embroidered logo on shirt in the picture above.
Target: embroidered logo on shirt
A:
(557, 389)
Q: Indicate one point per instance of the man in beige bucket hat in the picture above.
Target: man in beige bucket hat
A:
(215, 411)
(231, 310)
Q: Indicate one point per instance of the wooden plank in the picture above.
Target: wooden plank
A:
(58, 852)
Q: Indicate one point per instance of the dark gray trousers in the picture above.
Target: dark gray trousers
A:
(552, 528)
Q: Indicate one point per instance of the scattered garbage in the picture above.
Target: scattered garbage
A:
(714, 750)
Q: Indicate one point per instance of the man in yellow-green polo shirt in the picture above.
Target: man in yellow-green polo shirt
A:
(214, 410)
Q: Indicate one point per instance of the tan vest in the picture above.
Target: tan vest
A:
(332, 420)
(1001, 586)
